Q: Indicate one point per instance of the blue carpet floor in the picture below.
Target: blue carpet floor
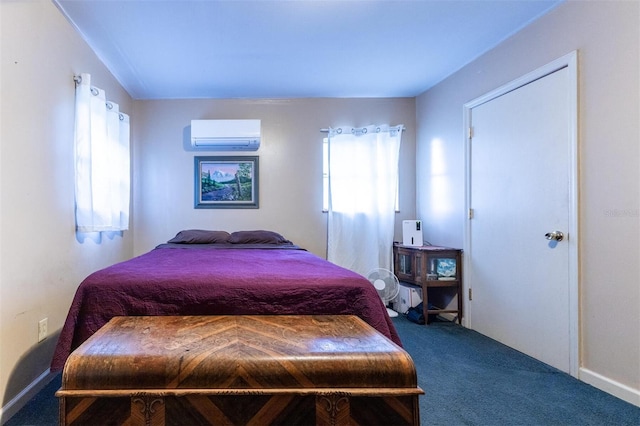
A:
(468, 380)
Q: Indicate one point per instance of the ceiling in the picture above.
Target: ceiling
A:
(186, 49)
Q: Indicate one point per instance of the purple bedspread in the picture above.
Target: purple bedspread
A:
(175, 281)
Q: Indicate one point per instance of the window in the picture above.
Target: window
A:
(325, 174)
(325, 179)
(102, 161)
(363, 195)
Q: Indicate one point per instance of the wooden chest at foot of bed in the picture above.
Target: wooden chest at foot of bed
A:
(239, 370)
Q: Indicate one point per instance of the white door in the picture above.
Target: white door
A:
(520, 189)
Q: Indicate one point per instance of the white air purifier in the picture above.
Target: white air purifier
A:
(412, 232)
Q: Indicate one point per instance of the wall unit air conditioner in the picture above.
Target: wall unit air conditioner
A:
(225, 135)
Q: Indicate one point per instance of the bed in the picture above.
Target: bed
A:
(201, 272)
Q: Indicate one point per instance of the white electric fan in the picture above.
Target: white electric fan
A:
(387, 285)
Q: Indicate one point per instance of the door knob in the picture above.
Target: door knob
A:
(554, 236)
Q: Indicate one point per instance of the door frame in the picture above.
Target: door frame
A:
(569, 61)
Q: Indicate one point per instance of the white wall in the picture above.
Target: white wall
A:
(41, 259)
(607, 36)
(290, 159)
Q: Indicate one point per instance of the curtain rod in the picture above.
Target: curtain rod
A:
(327, 130)
(78, 80)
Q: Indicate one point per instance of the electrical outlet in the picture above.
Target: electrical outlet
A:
(42, 329)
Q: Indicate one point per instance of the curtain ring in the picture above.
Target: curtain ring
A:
(364, 130)
(109, 105)
(377, 129)
(94, 91)
(339, 130)
(121, 117)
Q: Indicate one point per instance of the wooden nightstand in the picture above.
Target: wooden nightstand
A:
(430, 268)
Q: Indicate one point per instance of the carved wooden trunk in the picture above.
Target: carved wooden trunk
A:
(239, 370)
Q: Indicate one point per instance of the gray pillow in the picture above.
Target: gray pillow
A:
(257, 237)
(200, 236)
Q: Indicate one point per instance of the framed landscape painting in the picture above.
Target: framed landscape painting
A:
(226, 182)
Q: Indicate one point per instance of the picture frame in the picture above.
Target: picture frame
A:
(226, 182)
(446, 269)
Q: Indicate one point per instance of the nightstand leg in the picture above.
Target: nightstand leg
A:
(425, 304)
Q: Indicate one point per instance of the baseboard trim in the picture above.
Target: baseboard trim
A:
(617, 389)
(21, 399)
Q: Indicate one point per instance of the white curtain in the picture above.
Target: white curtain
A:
(363, 182)
(101, 160)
